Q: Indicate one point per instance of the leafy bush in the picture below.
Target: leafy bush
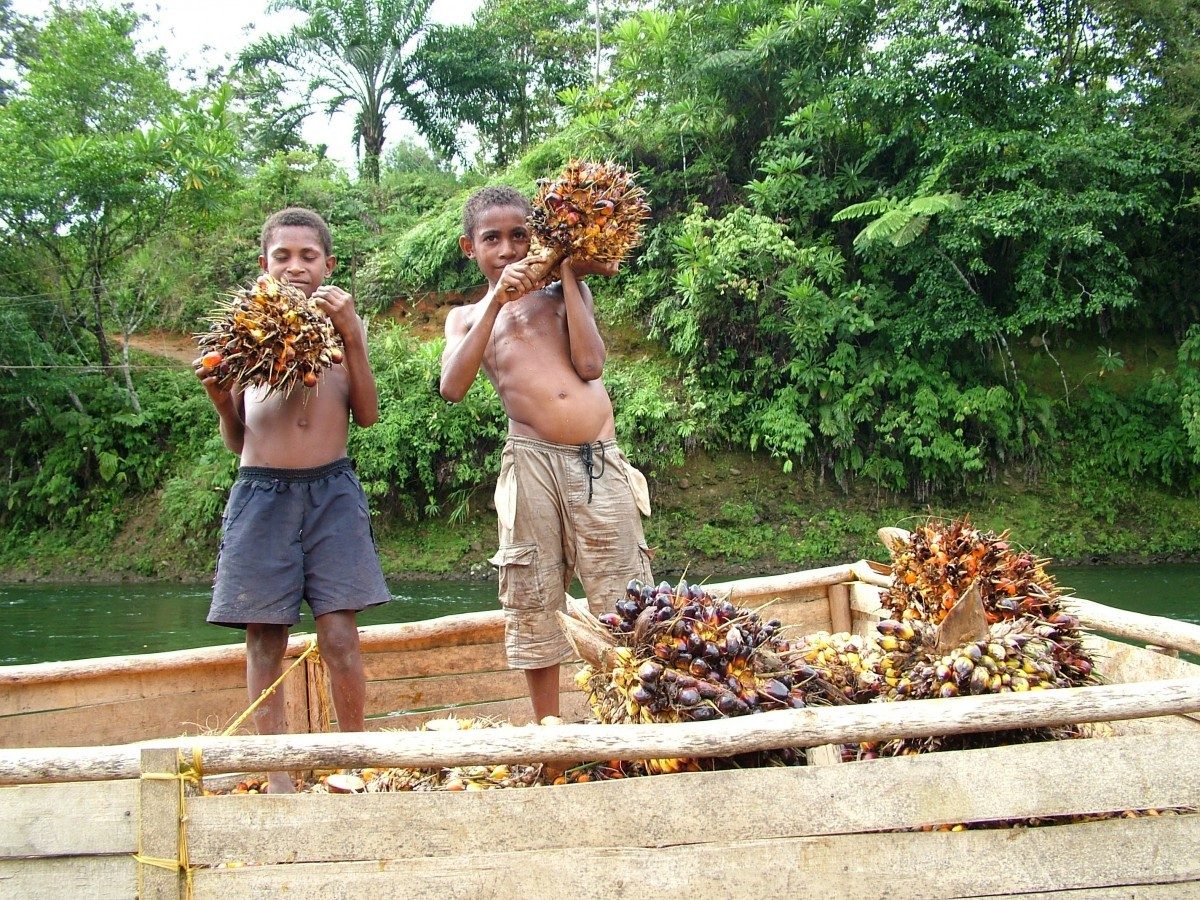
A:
(424, 451)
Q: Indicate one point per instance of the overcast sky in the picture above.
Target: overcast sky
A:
(199, 33)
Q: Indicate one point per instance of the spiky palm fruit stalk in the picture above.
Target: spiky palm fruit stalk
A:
(939, 562)
(269, 333)
(592, 210)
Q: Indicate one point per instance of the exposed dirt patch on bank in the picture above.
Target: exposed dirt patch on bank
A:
(169, 344)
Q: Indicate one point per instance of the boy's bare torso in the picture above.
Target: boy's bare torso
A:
(528, 362)
(305, 430)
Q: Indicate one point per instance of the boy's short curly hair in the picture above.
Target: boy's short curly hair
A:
(488, 197)
(300, 217)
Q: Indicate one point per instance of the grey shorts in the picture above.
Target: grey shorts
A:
(290, 535)
(561, 517)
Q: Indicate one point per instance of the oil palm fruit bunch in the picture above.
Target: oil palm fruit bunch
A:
(938, 561)
(269, 333)
(901, 644)
(1019, 655)
(847, 663)
(1015, 656)
(685, 655)
(591, 210)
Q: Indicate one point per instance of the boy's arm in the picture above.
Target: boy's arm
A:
(467, 337)
(587, 347)
(230, 409)
(363, 395)
(465, 345)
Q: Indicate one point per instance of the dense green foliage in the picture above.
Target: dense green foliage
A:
(908, 251)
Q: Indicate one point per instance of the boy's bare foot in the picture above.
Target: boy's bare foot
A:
(280, 783)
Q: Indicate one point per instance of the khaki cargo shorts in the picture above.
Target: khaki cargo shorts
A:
(564, 510)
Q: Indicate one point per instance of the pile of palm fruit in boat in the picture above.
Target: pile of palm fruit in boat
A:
(676, 653)
(268, 333)
(1026, 640)
(592, 210)
(683, 655)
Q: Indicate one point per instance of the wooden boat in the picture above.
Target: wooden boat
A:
(101, 760)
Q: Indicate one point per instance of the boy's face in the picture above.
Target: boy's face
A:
(295, 253)
(500, 237)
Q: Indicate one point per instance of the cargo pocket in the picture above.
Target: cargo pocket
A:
(520, 583)
(506, 493)
(637, 484)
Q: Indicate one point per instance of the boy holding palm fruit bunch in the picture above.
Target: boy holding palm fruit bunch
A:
(296, 526)
(567, 499)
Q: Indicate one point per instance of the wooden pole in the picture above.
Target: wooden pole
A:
(723, 737)
(770, 586)
(1157, 630)
(839, 608)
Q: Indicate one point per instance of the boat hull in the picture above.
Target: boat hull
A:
(861, 829)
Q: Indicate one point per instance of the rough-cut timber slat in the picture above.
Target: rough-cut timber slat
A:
(905, 792)
(160, 809)
(104, 723)
(384, 665)
(76, 692)
(103, 817)
(896, 867)
(54, 878)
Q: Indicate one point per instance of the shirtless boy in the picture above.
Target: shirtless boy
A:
(296, 526)
(567, 499)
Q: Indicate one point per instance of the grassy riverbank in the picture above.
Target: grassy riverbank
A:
(719, 515)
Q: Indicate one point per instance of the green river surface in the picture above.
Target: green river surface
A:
(50, 622)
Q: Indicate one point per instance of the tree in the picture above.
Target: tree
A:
(12, 31)
(501, 74)
(351, 53)
(99, 151)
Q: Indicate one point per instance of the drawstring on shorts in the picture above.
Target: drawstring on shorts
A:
(587, 455)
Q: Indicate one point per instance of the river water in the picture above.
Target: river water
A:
(41, 623)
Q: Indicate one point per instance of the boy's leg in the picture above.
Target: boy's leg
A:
(532, 565)
(543, 691)
(265, 647)
(337, 637)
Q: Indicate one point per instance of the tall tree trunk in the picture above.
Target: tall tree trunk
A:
(133, 397)
(98, 319)
(372, 137)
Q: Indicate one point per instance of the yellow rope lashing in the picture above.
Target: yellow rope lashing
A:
(193, 771)
(184, 772)
(316, 677)
(310, 651)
